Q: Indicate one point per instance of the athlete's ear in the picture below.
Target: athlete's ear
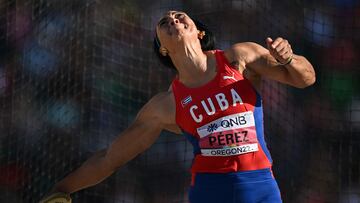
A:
(163, 51)
(201, 34)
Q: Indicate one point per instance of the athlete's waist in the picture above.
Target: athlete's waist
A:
(233, 177)
(227, 164)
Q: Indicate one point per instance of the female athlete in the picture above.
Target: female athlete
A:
(214, 102)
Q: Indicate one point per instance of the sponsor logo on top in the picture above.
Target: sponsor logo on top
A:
(231, 122)
(226, 77)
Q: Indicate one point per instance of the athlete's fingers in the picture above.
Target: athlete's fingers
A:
(284, 48)
(282, 45)
(276, 42)
(276, 46)
(280, 49)
(285, 53)
(268, 42)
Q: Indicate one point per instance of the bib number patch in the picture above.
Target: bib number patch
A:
(230, 135)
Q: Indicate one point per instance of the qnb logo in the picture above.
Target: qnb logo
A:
(237, 121)
(231, 122)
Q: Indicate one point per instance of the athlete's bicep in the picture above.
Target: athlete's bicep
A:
(259, 60)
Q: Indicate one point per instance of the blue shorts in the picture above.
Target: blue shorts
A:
(258, 186)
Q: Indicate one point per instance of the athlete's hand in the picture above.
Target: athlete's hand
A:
(58, 197)
(280, 49)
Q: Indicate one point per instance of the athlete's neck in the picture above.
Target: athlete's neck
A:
(192, 64)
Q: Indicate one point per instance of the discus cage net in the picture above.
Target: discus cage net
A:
(74, 73)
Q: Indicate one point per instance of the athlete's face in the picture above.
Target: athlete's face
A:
(173, 27)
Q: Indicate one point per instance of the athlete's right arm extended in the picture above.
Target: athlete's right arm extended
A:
(139, 136)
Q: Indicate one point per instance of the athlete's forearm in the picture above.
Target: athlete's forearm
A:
(102, 164)
(301, 71)
(91, 172)
(138, 137)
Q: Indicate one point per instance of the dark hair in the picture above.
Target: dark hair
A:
(207, 43)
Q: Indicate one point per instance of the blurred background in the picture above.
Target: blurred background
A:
(74, 73)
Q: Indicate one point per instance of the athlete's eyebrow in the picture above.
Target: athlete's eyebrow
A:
(162, 20)
(167, 16)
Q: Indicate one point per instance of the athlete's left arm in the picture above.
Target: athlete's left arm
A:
(267, 62)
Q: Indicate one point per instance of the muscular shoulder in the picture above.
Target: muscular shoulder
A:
(245, 52)
(160, 107)
(242, 55)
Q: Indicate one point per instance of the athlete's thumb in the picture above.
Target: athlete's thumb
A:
(269, 41)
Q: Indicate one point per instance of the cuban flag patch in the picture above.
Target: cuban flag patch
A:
(186, 101)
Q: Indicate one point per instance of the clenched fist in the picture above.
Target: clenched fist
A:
(280, 49)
